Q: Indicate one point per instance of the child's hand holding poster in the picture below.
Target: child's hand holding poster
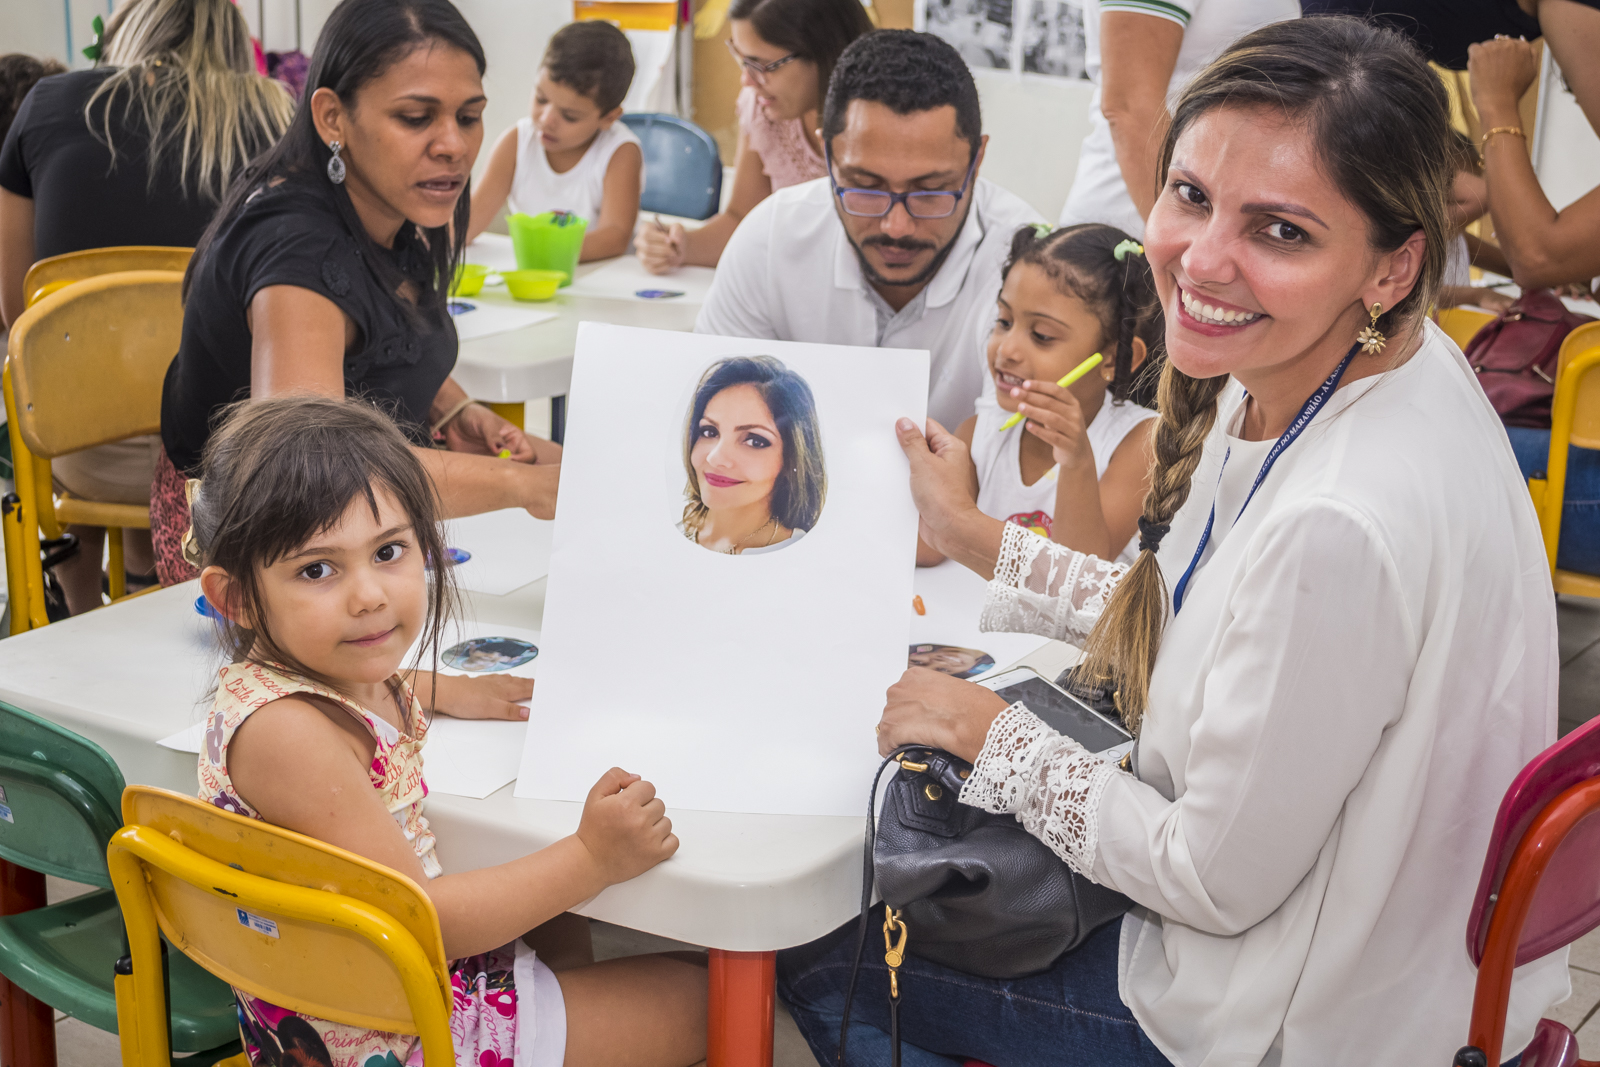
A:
(733, 557)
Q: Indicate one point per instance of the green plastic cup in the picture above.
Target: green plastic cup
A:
(551, 241)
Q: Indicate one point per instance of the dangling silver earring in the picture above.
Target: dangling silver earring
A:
(335, 165)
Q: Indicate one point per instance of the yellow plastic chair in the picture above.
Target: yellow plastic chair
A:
(281, 916)
(84, 367)
(58, 272)
(1574, 420)
(1462, 324)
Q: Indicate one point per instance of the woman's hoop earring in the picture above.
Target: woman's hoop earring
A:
(1371, 339)
(335, 165)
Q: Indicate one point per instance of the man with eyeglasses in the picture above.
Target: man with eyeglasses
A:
(901, 245)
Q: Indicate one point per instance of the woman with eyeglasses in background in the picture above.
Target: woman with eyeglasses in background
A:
(786, 50)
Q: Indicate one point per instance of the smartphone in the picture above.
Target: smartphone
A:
(1061, 711)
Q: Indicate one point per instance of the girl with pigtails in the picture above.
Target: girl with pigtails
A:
(1337, 645)
(1076, 467)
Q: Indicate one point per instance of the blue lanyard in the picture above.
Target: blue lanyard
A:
(1307, 413)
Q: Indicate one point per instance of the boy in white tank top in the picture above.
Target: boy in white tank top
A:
(1076, 469)
(573, 153)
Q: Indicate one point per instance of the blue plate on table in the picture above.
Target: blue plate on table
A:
(203, 607)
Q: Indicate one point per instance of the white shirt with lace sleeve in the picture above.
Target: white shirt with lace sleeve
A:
(1043, 588)
(1365, 658)
(1048, 781)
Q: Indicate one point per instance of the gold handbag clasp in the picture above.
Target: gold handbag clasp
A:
(894, 950)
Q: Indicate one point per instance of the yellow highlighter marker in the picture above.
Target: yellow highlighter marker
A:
(1073, 375)
(505, 453)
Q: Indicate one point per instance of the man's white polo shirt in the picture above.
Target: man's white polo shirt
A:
(790, 274)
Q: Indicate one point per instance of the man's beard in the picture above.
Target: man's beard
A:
(907, 244)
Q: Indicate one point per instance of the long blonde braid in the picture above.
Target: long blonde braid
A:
(1121, 650)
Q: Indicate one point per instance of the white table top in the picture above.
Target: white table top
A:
(536, 361)
(127, 675)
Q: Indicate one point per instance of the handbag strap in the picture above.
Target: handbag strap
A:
(893, 954)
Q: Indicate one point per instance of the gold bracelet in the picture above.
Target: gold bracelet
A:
(1483, 142)
(458, 409)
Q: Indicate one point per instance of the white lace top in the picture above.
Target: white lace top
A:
(1364, 661)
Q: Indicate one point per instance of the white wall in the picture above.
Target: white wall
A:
(39, 27)
(513, 34)
(1569, 150)
(1035, 125)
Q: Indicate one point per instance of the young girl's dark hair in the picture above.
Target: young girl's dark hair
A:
(1082, 261)
(360, 41)
(278, 473)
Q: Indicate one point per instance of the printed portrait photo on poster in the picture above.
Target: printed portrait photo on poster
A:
(752, 453)
(731, 568)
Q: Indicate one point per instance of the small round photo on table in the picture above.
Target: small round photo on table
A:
(482, 655)
(953, 660)
(752, 451)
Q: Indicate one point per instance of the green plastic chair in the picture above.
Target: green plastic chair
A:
(61, 797)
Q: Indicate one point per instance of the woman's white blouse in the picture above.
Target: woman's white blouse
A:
(1364, 661)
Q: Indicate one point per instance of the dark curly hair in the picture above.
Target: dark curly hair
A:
(906, 72)
(18, 73)
(1081, 260)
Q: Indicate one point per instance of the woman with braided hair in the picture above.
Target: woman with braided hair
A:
(1337, 645)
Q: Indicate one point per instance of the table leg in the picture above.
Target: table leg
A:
(739, 1012)
(558, 419)
(27, 1026)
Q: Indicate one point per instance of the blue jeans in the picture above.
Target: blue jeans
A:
(947, 1016)
(1070, 1013)
(1579, 549)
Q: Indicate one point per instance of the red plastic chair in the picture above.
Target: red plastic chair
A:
(1540, 891)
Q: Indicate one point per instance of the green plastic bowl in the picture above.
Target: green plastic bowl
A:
(469, 279)
(533, 284)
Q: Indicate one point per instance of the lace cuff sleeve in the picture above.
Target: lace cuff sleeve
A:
(1043, 588)
(1047, 780)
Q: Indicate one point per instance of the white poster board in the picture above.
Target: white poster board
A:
(747, 682)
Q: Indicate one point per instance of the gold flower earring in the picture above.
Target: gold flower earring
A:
(1371, 339)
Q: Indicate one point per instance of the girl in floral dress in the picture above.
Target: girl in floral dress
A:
(317, 533)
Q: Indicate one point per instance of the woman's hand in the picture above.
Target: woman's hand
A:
(941, 479)
(492, 696)
(1055, 418)
(661, 251)
(478, 431)
(942, 486)
(933, 709)
(1501, 70)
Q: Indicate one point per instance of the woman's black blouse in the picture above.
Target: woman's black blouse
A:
(81, 199)
(293, 234)
(1443, 29)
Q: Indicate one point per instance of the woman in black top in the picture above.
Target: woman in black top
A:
(327, 270)
(138, 151)
(1445, 29)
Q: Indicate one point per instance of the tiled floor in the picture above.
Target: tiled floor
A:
(80, 1045)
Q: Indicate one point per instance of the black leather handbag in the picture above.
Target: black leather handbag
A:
(963, 888)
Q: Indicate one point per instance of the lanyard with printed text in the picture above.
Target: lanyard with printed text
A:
(1307, 413)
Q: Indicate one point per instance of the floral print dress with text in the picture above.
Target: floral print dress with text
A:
(484, 1022)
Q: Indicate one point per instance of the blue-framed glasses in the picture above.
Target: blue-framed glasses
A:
(876, 203)
(759, 70)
